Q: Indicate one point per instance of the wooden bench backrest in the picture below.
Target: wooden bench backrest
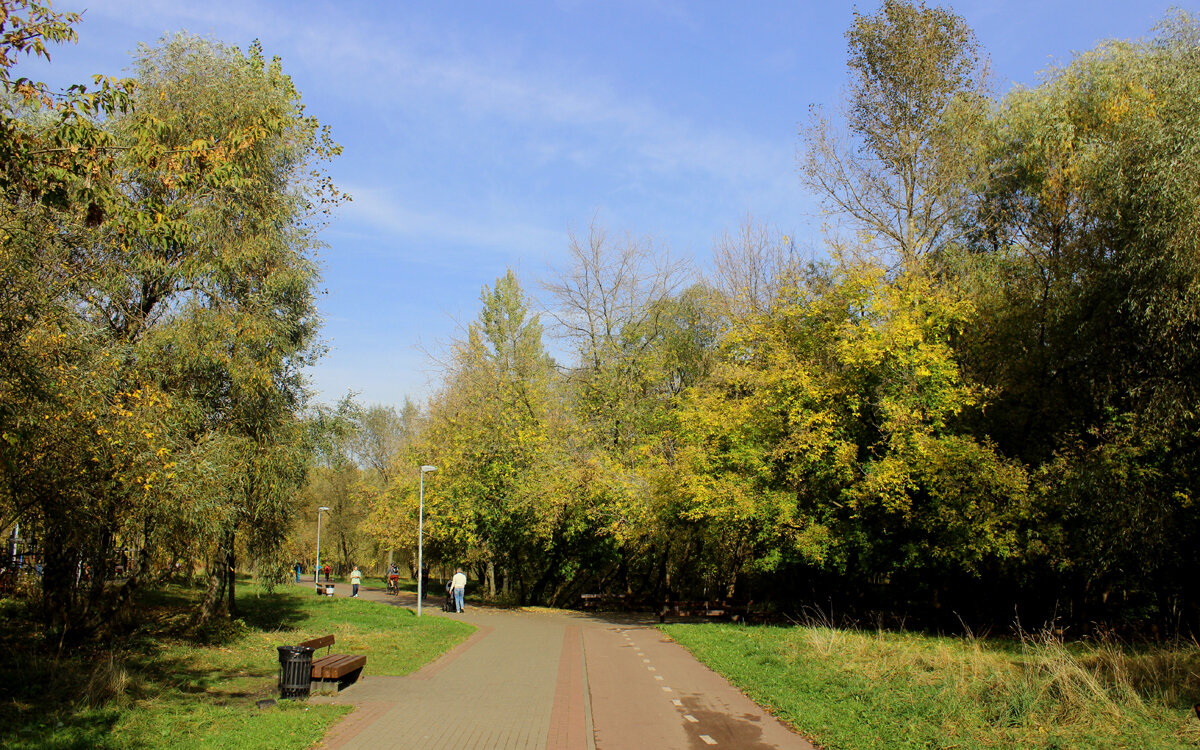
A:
(317, 643)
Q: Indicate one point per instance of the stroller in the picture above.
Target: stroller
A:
(448, 605)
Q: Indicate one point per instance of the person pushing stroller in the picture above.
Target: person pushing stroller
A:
(457, 589)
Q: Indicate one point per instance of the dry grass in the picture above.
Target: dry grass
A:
(858, 689)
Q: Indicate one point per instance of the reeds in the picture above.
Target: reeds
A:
(1037, 684)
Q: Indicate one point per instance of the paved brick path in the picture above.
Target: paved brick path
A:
(554, 681)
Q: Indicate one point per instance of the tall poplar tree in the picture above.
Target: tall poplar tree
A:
(902, 168)
(489, 432)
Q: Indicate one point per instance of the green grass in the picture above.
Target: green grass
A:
(849, 690)
(158, 685)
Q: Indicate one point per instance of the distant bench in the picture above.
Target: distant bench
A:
(603, 601)
(334, 666)
(714, 610)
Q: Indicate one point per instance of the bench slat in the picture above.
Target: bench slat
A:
(317, 643)
(337, 666)
(329, 665)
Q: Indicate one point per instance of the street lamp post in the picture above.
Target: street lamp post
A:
(421, 541)
(317, 571)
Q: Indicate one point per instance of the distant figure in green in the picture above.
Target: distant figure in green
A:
(355, 579)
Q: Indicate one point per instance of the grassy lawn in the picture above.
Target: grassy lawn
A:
(848, 690)
(160, 686)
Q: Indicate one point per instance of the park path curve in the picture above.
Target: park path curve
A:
(554, 680)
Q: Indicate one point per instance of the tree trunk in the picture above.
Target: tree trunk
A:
(137, 573)
(60, 575)
(210, 605)
(662, 584)
(343, 565)
(491, 579)
(230, 572)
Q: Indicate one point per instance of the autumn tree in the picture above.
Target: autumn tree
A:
(612, 306)
(901, 165)
(490, 432)
(233, 226)
(1083, 268)
(174, 335)
(382, 435)
(829, 436)
(382, 444)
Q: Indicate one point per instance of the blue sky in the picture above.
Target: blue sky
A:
(478, 134)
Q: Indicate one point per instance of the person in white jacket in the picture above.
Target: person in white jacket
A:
(459, 584)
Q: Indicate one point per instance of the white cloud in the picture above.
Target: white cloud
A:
(384, 210)
(372, 62)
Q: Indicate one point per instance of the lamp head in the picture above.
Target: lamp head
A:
(323, 507)
(428, 468)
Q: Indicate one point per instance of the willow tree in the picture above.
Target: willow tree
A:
(224, 199)
(1086, 276)
(60, 406)
(166, 414)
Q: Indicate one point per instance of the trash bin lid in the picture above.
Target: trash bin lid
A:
(294, 649)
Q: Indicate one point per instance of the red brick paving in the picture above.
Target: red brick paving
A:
(568, 723)
(555, 681)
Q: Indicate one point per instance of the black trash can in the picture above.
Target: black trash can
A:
(295, 671)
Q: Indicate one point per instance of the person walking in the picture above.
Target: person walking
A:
(459, 584)
(355, 579)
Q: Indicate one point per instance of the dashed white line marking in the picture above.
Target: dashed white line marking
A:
(659, 677)
(708, 740)
(677, 702)
(666, 689)
(645, 661)
(652, 669)
(691, 718)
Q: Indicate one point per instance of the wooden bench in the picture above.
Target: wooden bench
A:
(708, 609)
(603, 601)
(339, 667)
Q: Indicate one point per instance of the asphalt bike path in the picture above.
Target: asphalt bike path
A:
(553, 680)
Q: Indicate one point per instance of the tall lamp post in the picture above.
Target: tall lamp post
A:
(317, 572)
(421, 541)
